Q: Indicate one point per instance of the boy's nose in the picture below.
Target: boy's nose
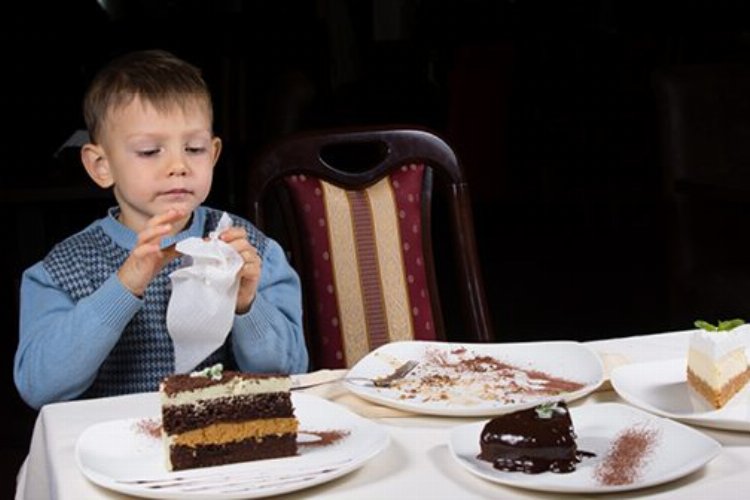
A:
(178, 166)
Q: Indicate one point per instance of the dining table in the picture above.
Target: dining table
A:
(417, 461)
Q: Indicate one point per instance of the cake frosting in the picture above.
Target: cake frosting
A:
(717, 366)
(218, 417)
(716, 345)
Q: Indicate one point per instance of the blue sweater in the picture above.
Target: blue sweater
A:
(83, 334)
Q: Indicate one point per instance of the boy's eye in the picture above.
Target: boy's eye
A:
(195, 149)
(148, 152)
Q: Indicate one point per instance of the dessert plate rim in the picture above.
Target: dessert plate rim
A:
(594, 425)
(106, 451)
(568, 359)
(660, 387)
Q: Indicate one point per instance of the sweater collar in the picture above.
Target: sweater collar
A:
(125, 237)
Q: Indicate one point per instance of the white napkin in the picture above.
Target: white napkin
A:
(204, 297)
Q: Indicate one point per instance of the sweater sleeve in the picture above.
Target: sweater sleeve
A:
(269, 337)
(62, 343)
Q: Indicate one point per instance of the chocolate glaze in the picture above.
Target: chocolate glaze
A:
(523, 441)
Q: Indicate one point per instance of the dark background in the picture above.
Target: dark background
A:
(554, 108)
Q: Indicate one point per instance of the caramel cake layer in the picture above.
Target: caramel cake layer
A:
(226, 433)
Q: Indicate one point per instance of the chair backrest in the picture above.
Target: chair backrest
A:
(361, 238)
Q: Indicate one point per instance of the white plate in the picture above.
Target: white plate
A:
(115, 455)
(597, 426)
(568, 360)
(661, 388)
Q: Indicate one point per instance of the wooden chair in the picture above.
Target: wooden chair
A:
(361, 238)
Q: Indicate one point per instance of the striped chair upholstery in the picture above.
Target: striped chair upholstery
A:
(365, 263)
(361, 238)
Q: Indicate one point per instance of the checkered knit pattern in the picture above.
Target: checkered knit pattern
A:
(144, 354)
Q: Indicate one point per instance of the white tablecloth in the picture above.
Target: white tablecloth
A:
(417, 463)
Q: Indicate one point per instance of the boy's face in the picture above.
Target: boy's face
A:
(156, 160)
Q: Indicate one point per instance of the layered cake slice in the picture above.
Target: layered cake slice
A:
(536, 440)
(717, 366)
(217, 417)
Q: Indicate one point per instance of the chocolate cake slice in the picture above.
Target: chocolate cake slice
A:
(536, 440)
(215, 418)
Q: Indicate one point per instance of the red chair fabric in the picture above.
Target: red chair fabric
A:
(366, 263)
(361, 239)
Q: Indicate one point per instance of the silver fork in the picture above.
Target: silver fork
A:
(384, 381)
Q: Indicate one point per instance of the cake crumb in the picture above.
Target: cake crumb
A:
(464, 377)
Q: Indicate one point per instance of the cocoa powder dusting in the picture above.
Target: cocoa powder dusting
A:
(461, 375)
(626, 457)
(327, 438)
(149, 427)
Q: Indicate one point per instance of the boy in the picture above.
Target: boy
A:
(93, 312)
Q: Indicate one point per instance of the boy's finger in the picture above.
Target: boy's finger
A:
(151, 233)
(171, 215)
(170, 253)
(233, 233)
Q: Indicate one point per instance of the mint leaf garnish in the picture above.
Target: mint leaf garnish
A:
(725, 326)
(545, 410)
(722, 326)
(704, 325)
(213, 372)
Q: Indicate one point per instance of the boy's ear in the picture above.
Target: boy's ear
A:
(95, 162)
(216, 144)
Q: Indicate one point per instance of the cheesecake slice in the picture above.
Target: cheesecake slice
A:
(717, 366)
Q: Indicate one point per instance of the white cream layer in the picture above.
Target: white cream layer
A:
(717, 372)
(235, 387)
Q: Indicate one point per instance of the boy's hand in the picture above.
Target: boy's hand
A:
(250, 272)
(147, 258)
